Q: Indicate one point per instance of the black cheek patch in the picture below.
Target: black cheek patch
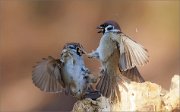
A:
(77, 51)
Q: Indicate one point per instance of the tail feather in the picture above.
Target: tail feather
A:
(108, 86)
(108, 81)
(100, 83)
(104, 85)
(108, 93)
(115, 95)
(133, 74)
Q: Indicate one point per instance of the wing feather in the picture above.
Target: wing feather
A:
(47, 75)
(131, 53)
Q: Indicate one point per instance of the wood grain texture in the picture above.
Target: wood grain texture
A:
(145, 96)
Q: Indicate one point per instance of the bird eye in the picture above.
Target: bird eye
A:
(109, 28)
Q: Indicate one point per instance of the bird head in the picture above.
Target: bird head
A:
(74, 48)
(109, 26)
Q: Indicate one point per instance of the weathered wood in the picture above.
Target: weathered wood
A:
(145, 96)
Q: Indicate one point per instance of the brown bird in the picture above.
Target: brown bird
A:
(119, 55)
(67, 74)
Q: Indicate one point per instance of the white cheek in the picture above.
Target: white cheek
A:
(115, 30)
(112, 30)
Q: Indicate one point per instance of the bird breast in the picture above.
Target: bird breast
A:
(72, 74)
(106, 47)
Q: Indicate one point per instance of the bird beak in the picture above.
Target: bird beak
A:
(64, 50)
(83, 51)
(100, 28)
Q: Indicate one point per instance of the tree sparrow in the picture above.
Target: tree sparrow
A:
(119, 56)
(67, 74)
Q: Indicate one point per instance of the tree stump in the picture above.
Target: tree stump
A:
(145, 96)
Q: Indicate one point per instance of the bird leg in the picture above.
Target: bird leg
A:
(93, 54)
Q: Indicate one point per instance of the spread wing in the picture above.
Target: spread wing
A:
(131, 53)
(47, 75)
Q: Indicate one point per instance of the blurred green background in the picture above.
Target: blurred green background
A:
(31, 29)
